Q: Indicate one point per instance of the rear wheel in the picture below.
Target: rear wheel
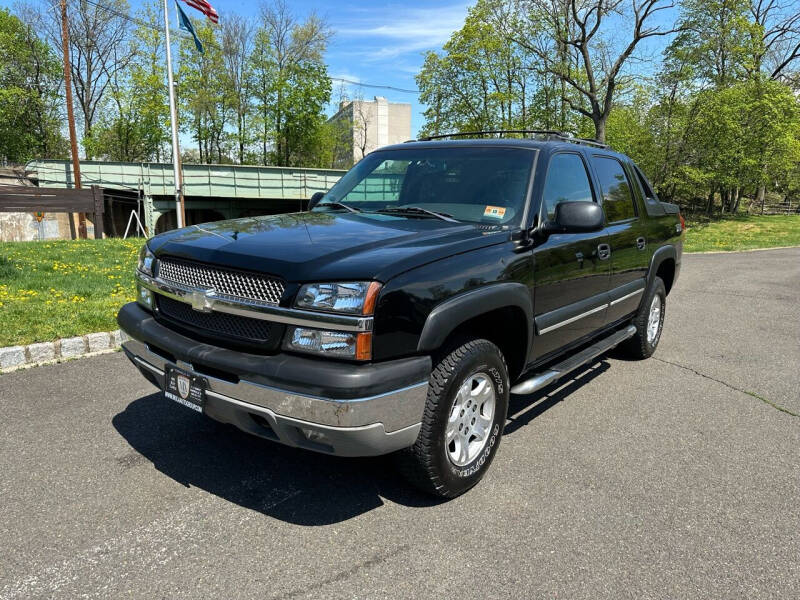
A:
(649, 322)
(463, 422)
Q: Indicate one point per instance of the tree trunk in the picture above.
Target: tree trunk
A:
(600, 128)
(761, 197)
(710, 204)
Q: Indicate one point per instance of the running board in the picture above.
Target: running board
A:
(568, 365)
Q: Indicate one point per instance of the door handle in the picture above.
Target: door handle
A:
(603, 251)
(641, 243)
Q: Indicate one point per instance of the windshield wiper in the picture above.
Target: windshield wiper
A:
(417, 211)
(347, 207)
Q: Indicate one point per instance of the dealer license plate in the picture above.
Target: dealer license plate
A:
(184, 388)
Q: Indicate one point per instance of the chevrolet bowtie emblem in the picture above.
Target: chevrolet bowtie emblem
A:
(203, 300)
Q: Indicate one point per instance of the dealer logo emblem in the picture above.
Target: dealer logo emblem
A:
(183, 386)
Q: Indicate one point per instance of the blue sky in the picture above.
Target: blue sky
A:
(374, 42)
(383, 42)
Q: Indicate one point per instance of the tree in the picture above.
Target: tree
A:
(99, 50)
(717, 41)
(288, 54)
(135, 124)
(237, 42)
(574, 40)
(481, 81)
(204, 94)
(29, 98)
(779, 24)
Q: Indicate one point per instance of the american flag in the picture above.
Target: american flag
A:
(205, 8)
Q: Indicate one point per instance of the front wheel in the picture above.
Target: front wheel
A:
(463, 421)
(649, 322)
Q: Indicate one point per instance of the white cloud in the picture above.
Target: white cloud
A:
(412, 30)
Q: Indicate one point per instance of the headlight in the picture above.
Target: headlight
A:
(357, 297)
(146, 259)
(338, 344)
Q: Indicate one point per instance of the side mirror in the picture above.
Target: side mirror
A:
(315, 199)
(575, 217)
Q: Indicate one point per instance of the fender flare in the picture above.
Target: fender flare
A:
(454, 311)
(659, 256)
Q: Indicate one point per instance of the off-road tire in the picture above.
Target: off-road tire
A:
(638, 347)
(426, 464)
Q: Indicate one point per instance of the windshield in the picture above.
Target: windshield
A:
(484, 185)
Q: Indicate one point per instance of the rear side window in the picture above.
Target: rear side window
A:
(617, 196)
(648, 190)
(566, 181)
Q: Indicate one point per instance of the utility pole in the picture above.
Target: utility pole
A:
(173, 112)
(71, 115)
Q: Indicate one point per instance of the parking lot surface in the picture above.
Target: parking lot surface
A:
(676, 477)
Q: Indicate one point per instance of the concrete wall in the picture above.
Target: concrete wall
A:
(23, 227)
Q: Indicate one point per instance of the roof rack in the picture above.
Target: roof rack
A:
(547, 134)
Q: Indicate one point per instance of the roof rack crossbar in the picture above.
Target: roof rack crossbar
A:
(548, 134)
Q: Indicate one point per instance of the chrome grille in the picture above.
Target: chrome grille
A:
(243, 285)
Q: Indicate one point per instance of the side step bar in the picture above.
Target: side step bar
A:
(571, 363)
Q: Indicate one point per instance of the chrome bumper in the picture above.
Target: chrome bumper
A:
(365, 426)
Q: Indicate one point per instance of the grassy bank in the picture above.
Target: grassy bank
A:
(51, 290)
(746, 232)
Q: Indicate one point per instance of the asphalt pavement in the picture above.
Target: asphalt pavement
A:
(675, 477)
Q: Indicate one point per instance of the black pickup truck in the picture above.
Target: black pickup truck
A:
(398, 313)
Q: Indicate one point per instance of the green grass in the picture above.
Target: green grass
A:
(51, 290)
(746, 232)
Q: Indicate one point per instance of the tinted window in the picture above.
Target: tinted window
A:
(566, 181)
(648, 190)
(486, 185)
(617, 196)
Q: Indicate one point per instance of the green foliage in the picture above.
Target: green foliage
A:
(717, 41)
(136, 128)
(480, 81)
(204, 97)
(29, 82)
(290, 87)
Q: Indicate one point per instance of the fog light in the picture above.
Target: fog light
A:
(341, 344)
(144, 297)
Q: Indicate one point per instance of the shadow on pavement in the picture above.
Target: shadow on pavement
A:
(292, 485)
(255, 473)
(523, 409)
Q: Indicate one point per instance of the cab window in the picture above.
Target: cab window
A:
(617, 196)
(566, 181)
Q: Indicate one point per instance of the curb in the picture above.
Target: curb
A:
(43, 353)
(741, 251)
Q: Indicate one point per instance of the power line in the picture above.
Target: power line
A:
(124, 16)
(371, 85)
(339, 79)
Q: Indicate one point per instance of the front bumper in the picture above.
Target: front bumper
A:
(322, 405)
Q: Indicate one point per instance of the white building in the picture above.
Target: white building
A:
(375, 123)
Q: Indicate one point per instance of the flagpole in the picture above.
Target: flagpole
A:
(173, 112)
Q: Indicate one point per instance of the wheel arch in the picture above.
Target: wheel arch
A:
(663, 264)
(501, 313)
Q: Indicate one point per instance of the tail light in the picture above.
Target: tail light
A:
(683, 222)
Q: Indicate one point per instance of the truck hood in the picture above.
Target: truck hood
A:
(317, 246)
